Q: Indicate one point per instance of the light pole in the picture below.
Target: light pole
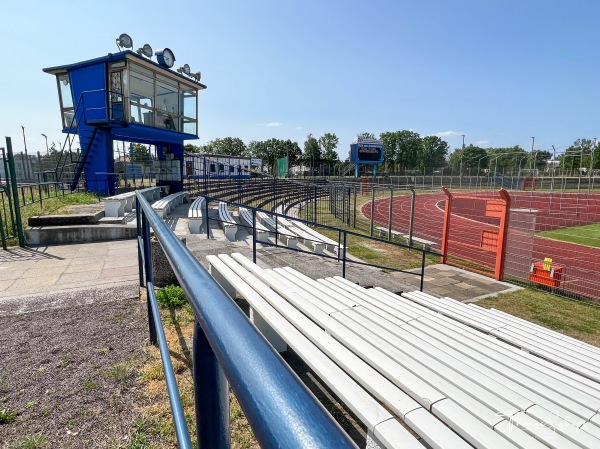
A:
(47, 150)
(531, 154)
(26, 165)
(462, 153)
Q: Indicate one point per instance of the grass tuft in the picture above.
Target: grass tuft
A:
(7, 416)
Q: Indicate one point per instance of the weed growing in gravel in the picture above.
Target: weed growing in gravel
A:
(4, 388)
(31, 404)
(29, 442)
(7, 416)
(171, 296)
(89, 385)
(66, 360)
(118, 372)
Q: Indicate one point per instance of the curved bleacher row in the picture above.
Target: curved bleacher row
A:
(116, 206)
(434, 365)
(287, 231)
(264, 193)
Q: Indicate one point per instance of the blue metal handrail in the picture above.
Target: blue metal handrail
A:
(280, 409)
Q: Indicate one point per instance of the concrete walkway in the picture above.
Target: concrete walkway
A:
(53, 276)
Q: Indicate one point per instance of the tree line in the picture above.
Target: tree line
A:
(407, 150)
(403, 148)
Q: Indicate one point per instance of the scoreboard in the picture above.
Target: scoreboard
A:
(367, 152)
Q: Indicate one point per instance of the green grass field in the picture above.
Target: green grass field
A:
(577, 319)
(584, 235)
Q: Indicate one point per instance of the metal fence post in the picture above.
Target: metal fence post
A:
(212, 400)
(390, 215)
(412, 215)
(354, 225)
(315, 208)
(15, 192)
(40, 194)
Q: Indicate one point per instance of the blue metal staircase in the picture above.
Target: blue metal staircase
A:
(85, 123)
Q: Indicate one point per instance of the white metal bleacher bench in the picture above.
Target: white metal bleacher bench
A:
(165, 205)
(426, 243)
(262, 232)
(284, 235)
(195, 214)
(307, 239)
(117, 205)
(383, 232)
(439, 376)
(330, 244)
(274, 316)
(227, 222)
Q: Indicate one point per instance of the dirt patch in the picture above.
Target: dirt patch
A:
(71, 375)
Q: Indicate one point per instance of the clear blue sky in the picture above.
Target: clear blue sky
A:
(499, 71)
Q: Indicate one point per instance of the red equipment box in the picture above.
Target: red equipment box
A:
(540, 275)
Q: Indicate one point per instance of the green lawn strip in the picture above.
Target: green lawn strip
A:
(52, 206)
(379, 253)
(576, 319)
(584, 235)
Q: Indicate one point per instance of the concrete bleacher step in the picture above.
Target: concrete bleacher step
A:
(49, 235)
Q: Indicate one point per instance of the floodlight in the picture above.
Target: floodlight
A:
(184, 69)
(146, 51)
(124, 41)
(196, 75)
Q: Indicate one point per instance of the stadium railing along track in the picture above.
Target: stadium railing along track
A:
(227, 348)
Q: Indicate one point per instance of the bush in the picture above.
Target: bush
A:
(171, 296)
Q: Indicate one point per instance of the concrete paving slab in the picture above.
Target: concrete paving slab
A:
(6, 274)
(75, 278)
(44, 272)
(93, 266)
(5, 284)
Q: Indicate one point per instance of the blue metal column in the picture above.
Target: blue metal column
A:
(148, 270)
(211, 396)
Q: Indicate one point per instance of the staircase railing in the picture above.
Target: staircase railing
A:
(90, 116)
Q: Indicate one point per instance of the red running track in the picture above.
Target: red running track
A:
(582, 263)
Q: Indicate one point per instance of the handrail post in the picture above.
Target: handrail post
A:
(138, 223)
(276, 231)
(422, 269)
(344, 259)
(211, 395)
(207, 219)
(253, 235)
(148, 271)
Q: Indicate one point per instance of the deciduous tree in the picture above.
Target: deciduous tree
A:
(328, 142)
